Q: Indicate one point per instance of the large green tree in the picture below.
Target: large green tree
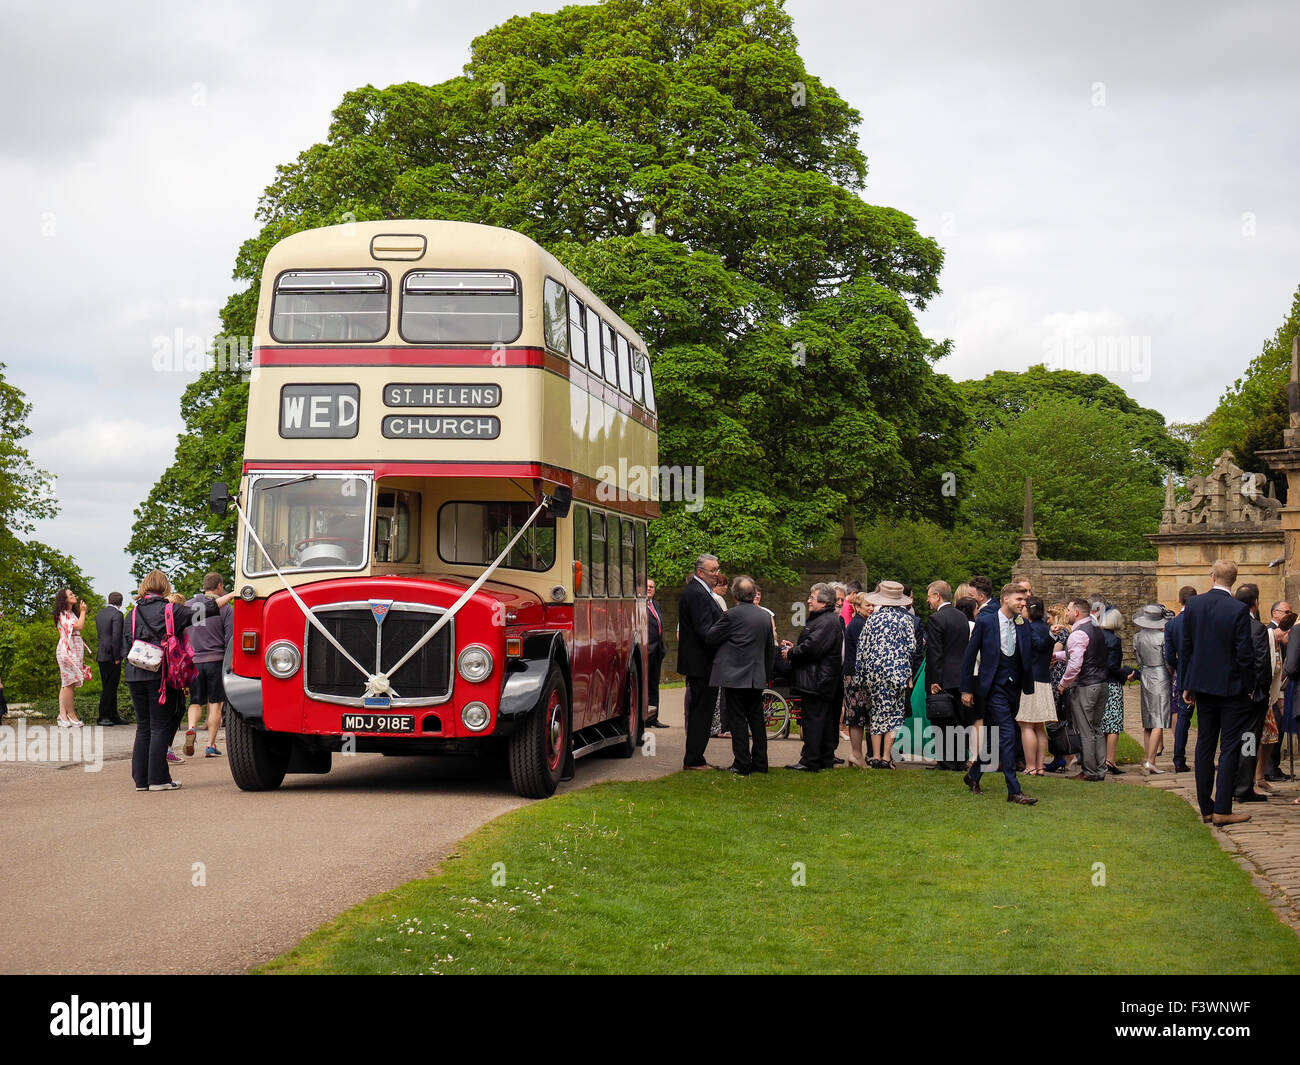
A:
(1253, 411)
(681, 159)
(1097, 491)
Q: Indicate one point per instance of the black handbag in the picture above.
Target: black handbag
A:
(939, 708)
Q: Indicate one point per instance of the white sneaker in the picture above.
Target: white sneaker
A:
(171, 785)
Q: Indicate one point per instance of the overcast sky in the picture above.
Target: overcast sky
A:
(1110, 185)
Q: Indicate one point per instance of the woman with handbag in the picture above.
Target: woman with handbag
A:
(1040, 707)
(886, 653)
(857, 697)
(145, 669)
(71, 656)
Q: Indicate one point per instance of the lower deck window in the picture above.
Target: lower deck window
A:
(475, 533)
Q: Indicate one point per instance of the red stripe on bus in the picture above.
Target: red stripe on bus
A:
(398, 357)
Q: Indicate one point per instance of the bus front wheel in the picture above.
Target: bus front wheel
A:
(258, 759)
(539, 748)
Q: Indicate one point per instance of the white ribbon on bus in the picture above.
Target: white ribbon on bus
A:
(377, 683)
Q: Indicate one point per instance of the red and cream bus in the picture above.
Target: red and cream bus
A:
(441, 545)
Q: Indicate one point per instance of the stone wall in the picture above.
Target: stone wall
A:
(1127, 585)
(1186, 559)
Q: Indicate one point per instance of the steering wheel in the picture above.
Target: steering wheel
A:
(326, 540)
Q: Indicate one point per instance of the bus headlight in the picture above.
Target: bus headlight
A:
(282, 659)
(474, 664)
(475, 716)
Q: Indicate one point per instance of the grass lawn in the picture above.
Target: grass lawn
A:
(902, 871)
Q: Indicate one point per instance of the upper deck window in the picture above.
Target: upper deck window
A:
(607, 353)
(459, 306)
(638, 379)
(577, 331)
(554, 301)
(330, 306)
(624, 365)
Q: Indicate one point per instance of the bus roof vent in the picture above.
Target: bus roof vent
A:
(399, 246)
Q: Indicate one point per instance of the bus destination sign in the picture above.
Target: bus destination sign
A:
(441, 427)
(442, 395)
(322, 411)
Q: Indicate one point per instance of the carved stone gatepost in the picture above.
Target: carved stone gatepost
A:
(1231, 514)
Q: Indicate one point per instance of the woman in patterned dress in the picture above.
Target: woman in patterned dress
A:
(70, 654)
(857, 697)
(884, 665)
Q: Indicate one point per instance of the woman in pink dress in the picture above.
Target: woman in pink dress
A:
(71, 655)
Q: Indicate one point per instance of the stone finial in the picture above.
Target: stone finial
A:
(1167, 518)
(1028, 541)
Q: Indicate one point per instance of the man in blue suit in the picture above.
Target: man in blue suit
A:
(1001, 641)
(1216, 672)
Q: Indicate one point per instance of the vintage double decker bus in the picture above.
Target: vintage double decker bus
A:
(443, 508)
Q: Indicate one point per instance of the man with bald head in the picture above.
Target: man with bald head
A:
(745, 652)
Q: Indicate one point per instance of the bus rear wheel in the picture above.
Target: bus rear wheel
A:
(258, 759)
(540, 746)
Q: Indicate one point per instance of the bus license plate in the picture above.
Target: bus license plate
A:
(378, 722)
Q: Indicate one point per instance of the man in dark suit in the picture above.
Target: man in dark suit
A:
(743, 659)
(1173, 644)
(108, 628)
(1244, 789)
(1001, 641)
(657, 650)
(1217, 674)
(947, 632)
(697, 611)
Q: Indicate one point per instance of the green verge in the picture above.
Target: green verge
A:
(901, 871)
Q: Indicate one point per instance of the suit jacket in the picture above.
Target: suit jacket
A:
(1173, 642)
(697, 610)
(108, 631)
(1217, 655)
(986, 643)
(655, 642)
(947, 632)
(742, 639)
(1263, 659)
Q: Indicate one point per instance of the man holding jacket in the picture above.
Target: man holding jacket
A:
(815, 677)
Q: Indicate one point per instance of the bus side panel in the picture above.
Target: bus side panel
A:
(582, 656)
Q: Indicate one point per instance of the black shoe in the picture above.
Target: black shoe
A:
(107, 722)
(1021, 799)
(1181, 767)
(757, 770)
(839, 760)
(799, 767)
(656, 723)
(1250, 796)
(1274, 777)
(738, 772)
(1114, 770)
(972, 783)
(1091, 778)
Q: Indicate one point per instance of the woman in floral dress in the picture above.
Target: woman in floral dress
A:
(884, 665)
(70, 654)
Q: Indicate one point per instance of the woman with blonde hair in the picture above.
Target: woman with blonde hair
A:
(155, 721)
(1112, 721)
(70, 654)
(857, 696)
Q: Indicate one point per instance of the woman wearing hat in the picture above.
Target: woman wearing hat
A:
(884, 665)
(1157, 695)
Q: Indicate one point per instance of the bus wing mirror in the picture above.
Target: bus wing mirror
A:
(219, 498)
(560, 500)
